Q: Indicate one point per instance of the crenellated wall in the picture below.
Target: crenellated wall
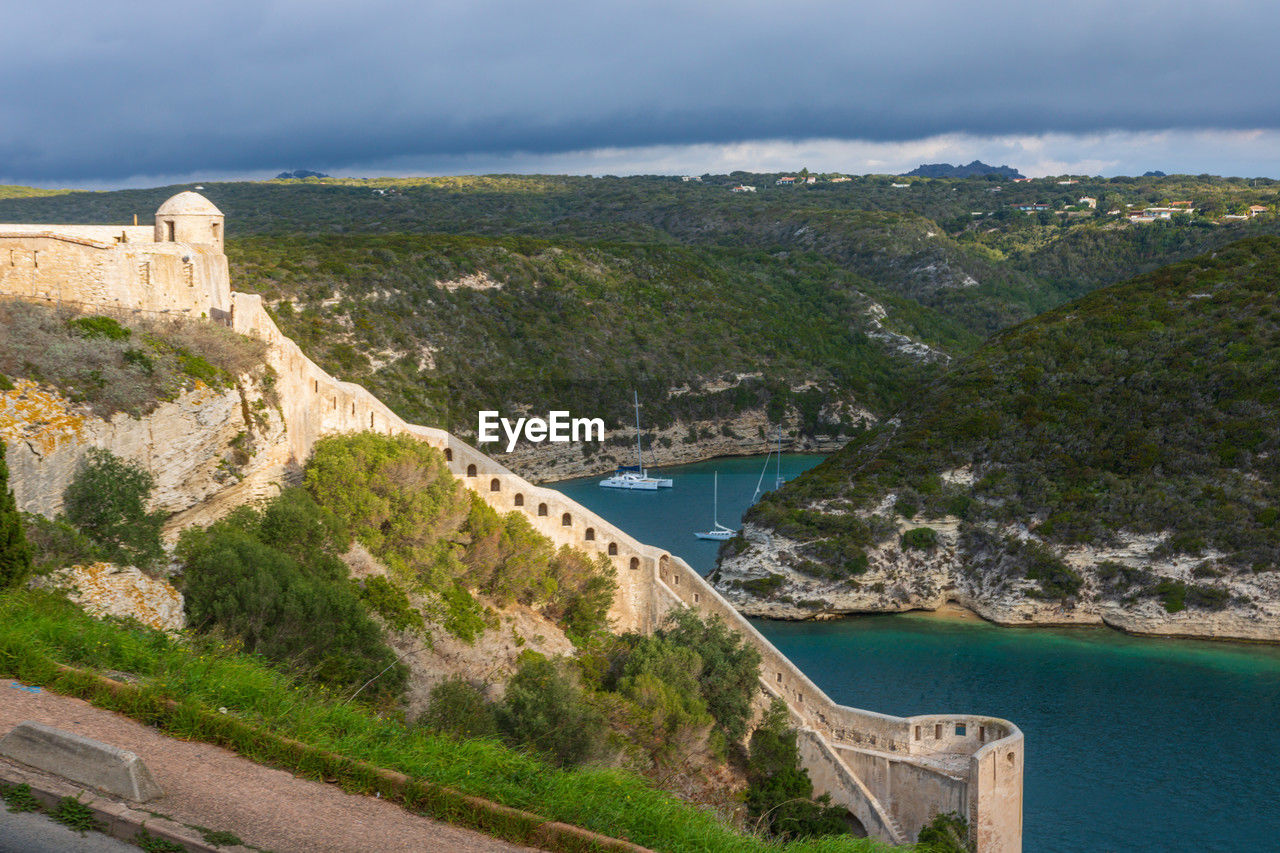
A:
(892, 773)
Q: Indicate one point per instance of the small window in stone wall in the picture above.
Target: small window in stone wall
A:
(471, 470)
(542, 509)
(448, 454)
(635, 563)
(937, 732)
(779, 678)
(566, 520)
(590, 535)
(982, 734)
(696, 598)
(917, 733)
(613, 549)
(495, 485)
(961, 729)
(519, 501)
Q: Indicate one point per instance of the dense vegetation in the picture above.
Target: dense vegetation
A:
(15, 553)
(37, 629)
(577, 326)
(119, 366)
(1146, 407)
(650, 282)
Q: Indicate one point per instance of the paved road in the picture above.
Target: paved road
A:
(207, 786)
(30, 832)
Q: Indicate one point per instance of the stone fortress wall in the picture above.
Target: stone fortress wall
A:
(893, 773)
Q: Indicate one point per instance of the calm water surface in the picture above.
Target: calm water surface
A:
(1132, 744)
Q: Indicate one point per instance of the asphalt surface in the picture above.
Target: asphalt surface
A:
(32, 832)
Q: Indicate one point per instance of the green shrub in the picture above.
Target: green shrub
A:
(780, 792)
(107, 502)
(392, 604)
(1173, 594)
(920, 539)
(946, 833)
(663, 678)
(303, 614)
(97, 326)
(545, 708)
(15, 553)
(765, 586)
(6, 384)
(456, 707)
(730, 667)
(55, 544)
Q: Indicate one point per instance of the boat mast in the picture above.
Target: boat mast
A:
(715, 499)
(778, 470)
(639, 452)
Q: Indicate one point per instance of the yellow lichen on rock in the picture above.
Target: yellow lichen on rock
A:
(104, 589)
(43, 419)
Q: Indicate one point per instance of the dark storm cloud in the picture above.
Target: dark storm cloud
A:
(94, 91)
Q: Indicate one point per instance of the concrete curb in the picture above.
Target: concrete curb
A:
(477, 813)
(114, 818)
(80, 759)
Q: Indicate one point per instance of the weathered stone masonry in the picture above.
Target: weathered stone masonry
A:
(893, 773)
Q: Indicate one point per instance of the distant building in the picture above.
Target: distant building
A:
(1022, 180)
(782, 181)
(1089, 202)
(687, 178)
(840, 179)
(743, 188)
(1033, 208)
(1255, 209)
(1151, 214)
(900, 186)
(1067, 182)
(811, 180)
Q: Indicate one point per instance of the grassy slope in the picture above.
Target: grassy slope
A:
(36, 629)
(1147, 406)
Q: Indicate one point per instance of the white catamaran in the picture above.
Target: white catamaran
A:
(719, 532)
(634, 476)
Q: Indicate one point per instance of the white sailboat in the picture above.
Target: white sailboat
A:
(719, 532)
(634, 477)
(777, 479)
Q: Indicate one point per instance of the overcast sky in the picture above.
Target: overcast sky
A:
(101, 94)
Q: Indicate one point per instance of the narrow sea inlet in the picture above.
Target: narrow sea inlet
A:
(1133, 744)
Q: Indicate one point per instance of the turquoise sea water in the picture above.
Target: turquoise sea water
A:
(1132, 744)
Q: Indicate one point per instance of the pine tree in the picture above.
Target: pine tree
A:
(15, 555)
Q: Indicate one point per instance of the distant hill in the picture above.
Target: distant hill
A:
(298, 174)
(976, 169)
(1141, 420)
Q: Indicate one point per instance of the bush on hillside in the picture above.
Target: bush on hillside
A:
(780, 792)
(15, 554)
(55, 543)
(295, 607)
(546, 708)
(107, 502)
(457, 708)
(730, 667)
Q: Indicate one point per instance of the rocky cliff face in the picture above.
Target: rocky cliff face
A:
(208, 450)
(766, 579)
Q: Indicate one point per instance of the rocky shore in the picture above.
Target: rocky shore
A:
(762, 581)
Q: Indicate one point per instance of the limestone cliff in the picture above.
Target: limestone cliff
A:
(767, 578)
(208, 449)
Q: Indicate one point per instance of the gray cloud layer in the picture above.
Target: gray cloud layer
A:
(95, 91)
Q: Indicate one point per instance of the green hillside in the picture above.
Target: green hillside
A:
(1148, 407)
(440, 326)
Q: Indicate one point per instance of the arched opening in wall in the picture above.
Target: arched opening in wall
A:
(566, 520)
(635, 563)
(216, 229)
(856, 829)
(937, 732)
(1012, 759)
(169, 231)
(519, 501)
(542, 509)
(663, 562)
(613, 549)
(495, 485)
(471, 470)
(448, 454)
(590, 535)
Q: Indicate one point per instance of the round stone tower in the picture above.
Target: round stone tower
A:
(189, 218)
